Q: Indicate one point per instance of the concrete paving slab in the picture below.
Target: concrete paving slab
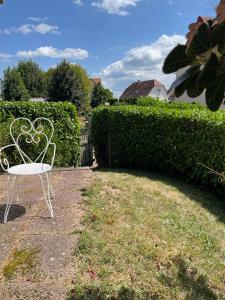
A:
(51, 273)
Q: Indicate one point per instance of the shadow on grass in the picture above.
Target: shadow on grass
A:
(15, 212)
(203, 195)
(98, 293)
(195, 286)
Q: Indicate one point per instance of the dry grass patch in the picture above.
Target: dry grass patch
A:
(150, 237)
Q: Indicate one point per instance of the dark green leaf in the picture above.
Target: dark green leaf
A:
(215, 95)
(176, 60)
(201, 42)
(209, 72)
(218, 37)
(221, 68)
(194, 89)
(188, 74)
(180, 89)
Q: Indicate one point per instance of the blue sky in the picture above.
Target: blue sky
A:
(120, 41)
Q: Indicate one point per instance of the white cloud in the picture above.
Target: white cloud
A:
(78, 2)
(8, 30)
(115, 6)
(41, 28)
(24, 29)
(37, 19)
(4, 56)
(140, 63)
(45, 28)
(67, 53)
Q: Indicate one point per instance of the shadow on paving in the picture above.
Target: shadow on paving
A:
(203, 195)
(15, 212)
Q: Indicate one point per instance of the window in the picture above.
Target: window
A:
(157, 92)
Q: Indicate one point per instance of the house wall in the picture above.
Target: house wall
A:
(159, 92)
(186, 98)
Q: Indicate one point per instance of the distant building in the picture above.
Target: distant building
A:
(96, 80)
(146, 88)
(40, 99)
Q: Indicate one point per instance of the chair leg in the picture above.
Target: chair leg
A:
(46, 191)
(11, 184)
(52, 192)
(16, 189)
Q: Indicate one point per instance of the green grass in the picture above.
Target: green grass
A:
(147, 236)
(22, 261)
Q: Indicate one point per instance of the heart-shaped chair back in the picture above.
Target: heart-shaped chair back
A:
(25, 133)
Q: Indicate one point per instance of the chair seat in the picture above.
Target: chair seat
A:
(29, 169)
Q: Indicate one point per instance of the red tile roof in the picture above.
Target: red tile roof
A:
(140, 89)
(96, 80)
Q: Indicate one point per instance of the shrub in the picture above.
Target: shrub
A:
(170, 140)
(13, 88)
(33, 77)
(68, 82)
(65, 121)
(149, 101)
(113, 101)
(100, 95)
(128, 101)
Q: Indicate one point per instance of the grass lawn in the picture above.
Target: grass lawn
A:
(147, 236)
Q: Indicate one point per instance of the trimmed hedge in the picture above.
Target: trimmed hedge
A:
(128, 101)
(66, 125)
(150, 101)
(170, 140)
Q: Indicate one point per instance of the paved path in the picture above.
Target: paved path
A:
(50, 271)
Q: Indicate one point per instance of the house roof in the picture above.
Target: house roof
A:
(140, 89)
(96, 80)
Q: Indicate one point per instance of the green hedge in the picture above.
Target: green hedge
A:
(65, 121)
(128, 101)
(149, 101)
(169, 140)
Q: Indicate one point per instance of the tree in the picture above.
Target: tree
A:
(33, 78)
(204, 57)
(71, 83)
(100, 95)
(13, 88)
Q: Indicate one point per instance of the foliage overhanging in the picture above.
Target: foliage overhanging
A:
(204, 57)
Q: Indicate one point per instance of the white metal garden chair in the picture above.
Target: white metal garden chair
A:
(30, 133)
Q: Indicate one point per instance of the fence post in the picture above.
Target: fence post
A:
(109, 150)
